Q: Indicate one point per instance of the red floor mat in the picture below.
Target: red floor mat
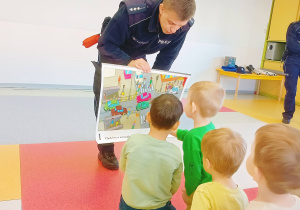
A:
(69, 176)
(225, 109)
(251, 193)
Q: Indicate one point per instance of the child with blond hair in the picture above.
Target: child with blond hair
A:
(204, 101)
(223, 152)
(274, 163)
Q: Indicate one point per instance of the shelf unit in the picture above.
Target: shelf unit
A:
(283, 12)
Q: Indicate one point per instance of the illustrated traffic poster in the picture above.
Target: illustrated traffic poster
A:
(125, 99)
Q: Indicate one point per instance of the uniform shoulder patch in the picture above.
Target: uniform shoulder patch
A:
(191, 22)
(135, 6)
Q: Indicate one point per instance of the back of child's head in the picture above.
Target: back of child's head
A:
(165, 111)
(225, 149)
(277, 156)
(208, 97)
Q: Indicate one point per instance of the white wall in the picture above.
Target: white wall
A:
(40, 41)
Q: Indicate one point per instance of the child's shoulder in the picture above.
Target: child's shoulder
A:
(200, 131)
(135, 137)
(174, 147)
(207, 186)
(259, 205)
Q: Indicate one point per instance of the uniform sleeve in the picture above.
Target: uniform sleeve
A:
(167, 55)
(181, 134)
(193, 174)
(177, 178)
(201, 201)
(123, 158)
(293, 37)
(115, 34)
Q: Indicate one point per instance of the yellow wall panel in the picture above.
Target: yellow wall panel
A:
(284, 12)
(271, 88)
(273, 65)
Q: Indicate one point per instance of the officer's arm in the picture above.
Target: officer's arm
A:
(116, 33)
(167, 55)
(293, 37)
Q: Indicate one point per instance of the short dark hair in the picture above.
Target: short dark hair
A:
(165, 111)
(185, 9)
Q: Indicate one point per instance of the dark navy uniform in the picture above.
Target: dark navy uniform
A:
(291, 67)
(132, 33)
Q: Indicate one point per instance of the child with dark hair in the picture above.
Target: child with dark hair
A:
(153, 166)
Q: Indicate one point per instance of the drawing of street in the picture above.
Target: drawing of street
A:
(126, 97)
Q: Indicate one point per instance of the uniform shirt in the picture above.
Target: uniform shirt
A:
(293, 37)
(194, 172)
(216, 196)
(292, 40)
(153, 170)
(258, 205)
(134, 31)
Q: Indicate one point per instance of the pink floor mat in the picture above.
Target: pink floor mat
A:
(69, 176)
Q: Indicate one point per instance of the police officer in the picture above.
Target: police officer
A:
(141, 27)
(291, 67)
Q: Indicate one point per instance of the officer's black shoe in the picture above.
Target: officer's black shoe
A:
(286, 120)
(108, 160)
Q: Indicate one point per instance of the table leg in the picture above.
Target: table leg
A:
(258, 86)
(282, 82)
(218, 77)
(237, 87)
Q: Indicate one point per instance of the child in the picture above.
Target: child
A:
(204, 101)
(223, 152)
(274, 163)
(153, 166)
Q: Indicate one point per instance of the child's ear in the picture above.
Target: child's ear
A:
(208, 164)
(148, 117)
(257, 175)
(194, 107)
(175, 126)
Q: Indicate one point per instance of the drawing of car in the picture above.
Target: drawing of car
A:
(111, 104)
(118, 110)
(143, 97)
(142, 105)
(174, 90)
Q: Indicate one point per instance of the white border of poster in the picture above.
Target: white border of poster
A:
(125, 96)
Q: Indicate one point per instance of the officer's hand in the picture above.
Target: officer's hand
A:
(140, 64)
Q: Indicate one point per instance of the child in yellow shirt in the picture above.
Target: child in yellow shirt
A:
(223, 152)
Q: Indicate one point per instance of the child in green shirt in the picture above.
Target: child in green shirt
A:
(204, 101)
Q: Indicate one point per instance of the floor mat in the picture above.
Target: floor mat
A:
(69, 176)
(10, 185)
